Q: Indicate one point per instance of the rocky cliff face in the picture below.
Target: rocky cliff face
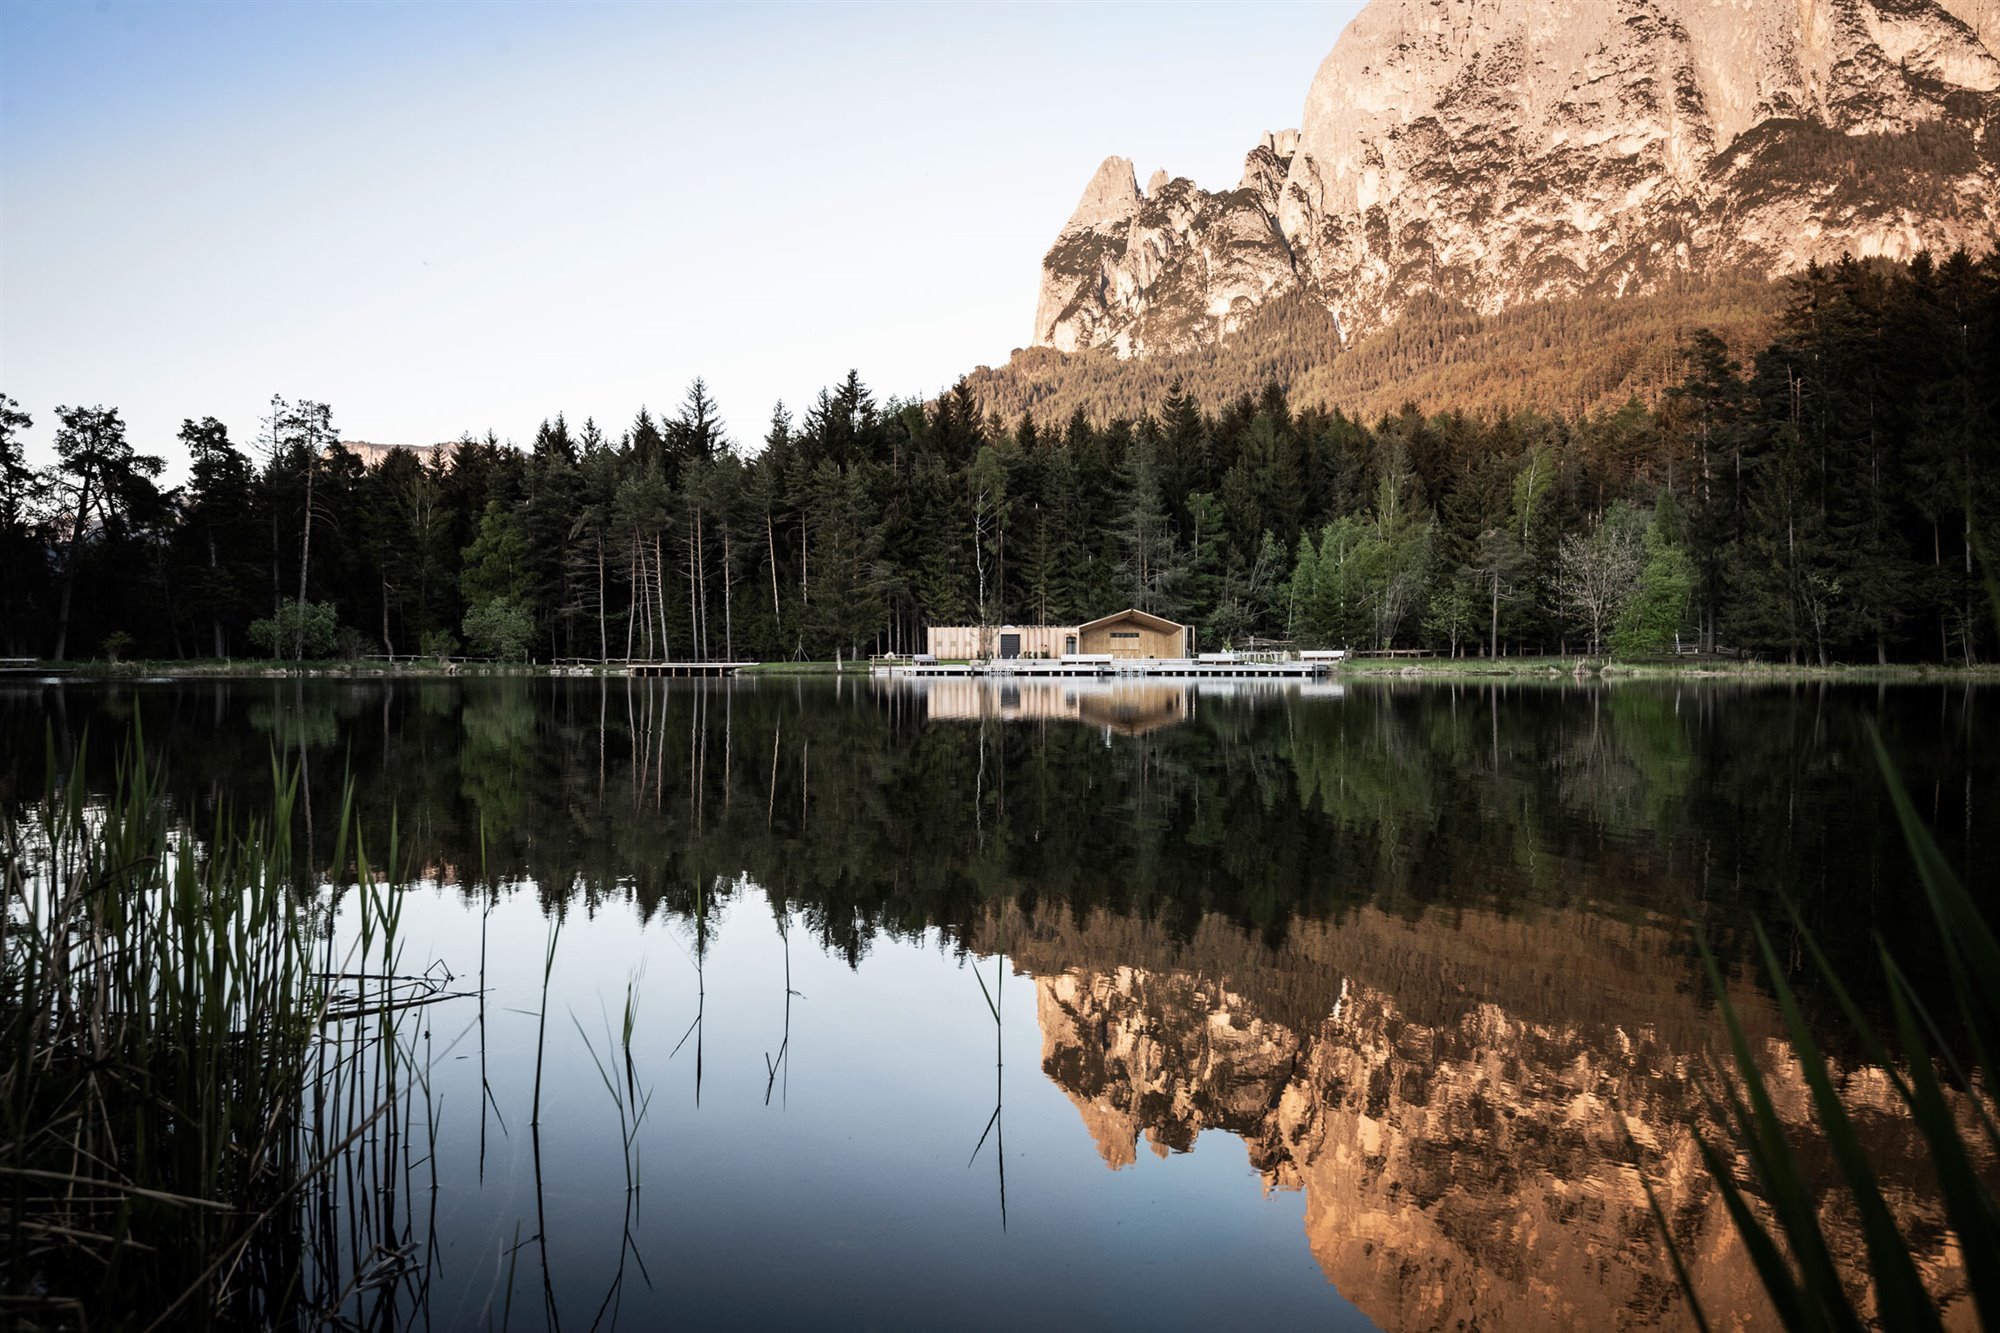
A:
(1174, 266)
(1500, 151)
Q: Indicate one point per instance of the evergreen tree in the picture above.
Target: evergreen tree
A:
(1153, 567)
(218, 528)
(97, 477)
(21, 546)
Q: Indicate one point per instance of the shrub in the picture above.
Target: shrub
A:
(438, 643)
(300, 629)
(501, 628)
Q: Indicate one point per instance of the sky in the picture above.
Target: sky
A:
(443, 218)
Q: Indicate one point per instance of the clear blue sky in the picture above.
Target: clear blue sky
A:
(450, 217)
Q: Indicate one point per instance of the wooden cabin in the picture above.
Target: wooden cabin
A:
(1130, 633)
(1135, 633)
(992, 643)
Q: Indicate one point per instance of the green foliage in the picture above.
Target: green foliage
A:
(438, 643)
(500, 628)
(1453, 611)
(1654, 619)
(1364, 582)
(308, 628)
(1394, 556)
(496, 562)
(115, 645)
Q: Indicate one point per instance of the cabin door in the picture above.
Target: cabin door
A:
(1010, 645)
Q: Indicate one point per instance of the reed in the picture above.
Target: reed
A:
(169, 1106)
(1759, 1172)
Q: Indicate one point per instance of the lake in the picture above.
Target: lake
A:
(957, 1003)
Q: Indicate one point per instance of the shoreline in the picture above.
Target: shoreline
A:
(1473, 668)
(1593, 668)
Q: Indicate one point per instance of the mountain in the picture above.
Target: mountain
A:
(1486, 155)
(372, 454)
(1572, 356)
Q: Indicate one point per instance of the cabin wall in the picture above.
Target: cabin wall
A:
(974, 642)
(1132, 639)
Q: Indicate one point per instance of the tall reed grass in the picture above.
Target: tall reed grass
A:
(1760, 1172)
(184, 1063)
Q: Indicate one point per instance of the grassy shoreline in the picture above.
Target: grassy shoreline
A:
(1550, 668)
(218, 1088)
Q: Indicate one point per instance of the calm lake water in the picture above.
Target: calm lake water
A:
(964, 1005)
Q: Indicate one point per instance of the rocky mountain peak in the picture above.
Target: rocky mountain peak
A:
(1493, 152)
(1111, 197)
(1267, 165)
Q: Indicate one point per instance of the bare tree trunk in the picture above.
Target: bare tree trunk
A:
(603, 648)
(167, 596)
(632, 597)
(305, 561)
(1494, 651)
(214, 620)
(771, 542)
(660, 595)
(69, 565)
(694, 610)
(728, 624)
(277, 582)
(1971, 623)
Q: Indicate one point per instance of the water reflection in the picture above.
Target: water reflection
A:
(1124, 708)
(1464, 1141)
(1418, 952)
(1112, 707)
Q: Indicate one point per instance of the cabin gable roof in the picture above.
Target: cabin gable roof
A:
(1136, 616)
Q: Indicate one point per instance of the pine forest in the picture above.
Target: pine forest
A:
(1824, 496)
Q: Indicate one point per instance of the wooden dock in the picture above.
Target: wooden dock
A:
(685, 669)
(17, 668)
(1176, 668)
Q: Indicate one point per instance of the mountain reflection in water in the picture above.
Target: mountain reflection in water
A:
(1420, 950)
(1461, 1104)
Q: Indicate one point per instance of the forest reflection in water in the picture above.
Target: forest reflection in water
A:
(1419, 949)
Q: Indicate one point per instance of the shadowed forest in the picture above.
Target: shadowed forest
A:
(1826, 500)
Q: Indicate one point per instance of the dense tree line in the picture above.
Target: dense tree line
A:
(1828, 501)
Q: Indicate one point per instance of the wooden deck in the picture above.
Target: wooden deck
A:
(685, 669)
(31, 668)
(1179, 668)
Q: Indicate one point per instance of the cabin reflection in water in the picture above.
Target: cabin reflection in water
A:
(1116, 707)
(1129, 709)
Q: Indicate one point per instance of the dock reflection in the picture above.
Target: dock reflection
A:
(1115, 707)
